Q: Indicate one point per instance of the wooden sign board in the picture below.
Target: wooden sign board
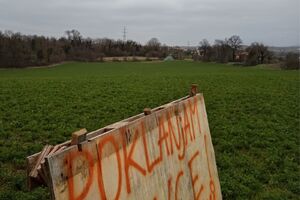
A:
(166, 154)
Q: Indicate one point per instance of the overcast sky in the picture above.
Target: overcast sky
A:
(173, 22)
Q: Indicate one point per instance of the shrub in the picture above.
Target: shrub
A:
(291, 61)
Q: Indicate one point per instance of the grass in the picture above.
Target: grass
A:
(253, 115)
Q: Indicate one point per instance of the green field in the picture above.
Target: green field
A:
(253, 115)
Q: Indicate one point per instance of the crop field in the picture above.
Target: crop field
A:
(253, 115)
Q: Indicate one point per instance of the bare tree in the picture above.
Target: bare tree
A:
(153, 43)
(152, 48)
(74, 37)
(73, 34)
(205, 49)
(235, 43)
(258, 53)
(222, 51)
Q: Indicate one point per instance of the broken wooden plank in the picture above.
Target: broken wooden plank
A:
(46, 150)
(55, 148)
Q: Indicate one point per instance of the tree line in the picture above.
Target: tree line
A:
(18, 50)
(232, 50)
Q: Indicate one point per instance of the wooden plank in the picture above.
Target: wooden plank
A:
(165, 155)
(30, 161)
(54, 149)
(42, 168)
(34, 173)
(41, 175)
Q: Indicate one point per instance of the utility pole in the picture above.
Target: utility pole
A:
(124, 34)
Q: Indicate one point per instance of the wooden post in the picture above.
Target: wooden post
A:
(147, 111)
(194, 90)
(79, 137)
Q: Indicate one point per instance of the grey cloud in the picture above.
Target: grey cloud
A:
(274, 22)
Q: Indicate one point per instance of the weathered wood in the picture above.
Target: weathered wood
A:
(165, 155)
(54, 149)
(30, 161)
(41, 175)
(194, 90)
(60, 149)
(147, 111)
(79, 136)
(34, 172)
